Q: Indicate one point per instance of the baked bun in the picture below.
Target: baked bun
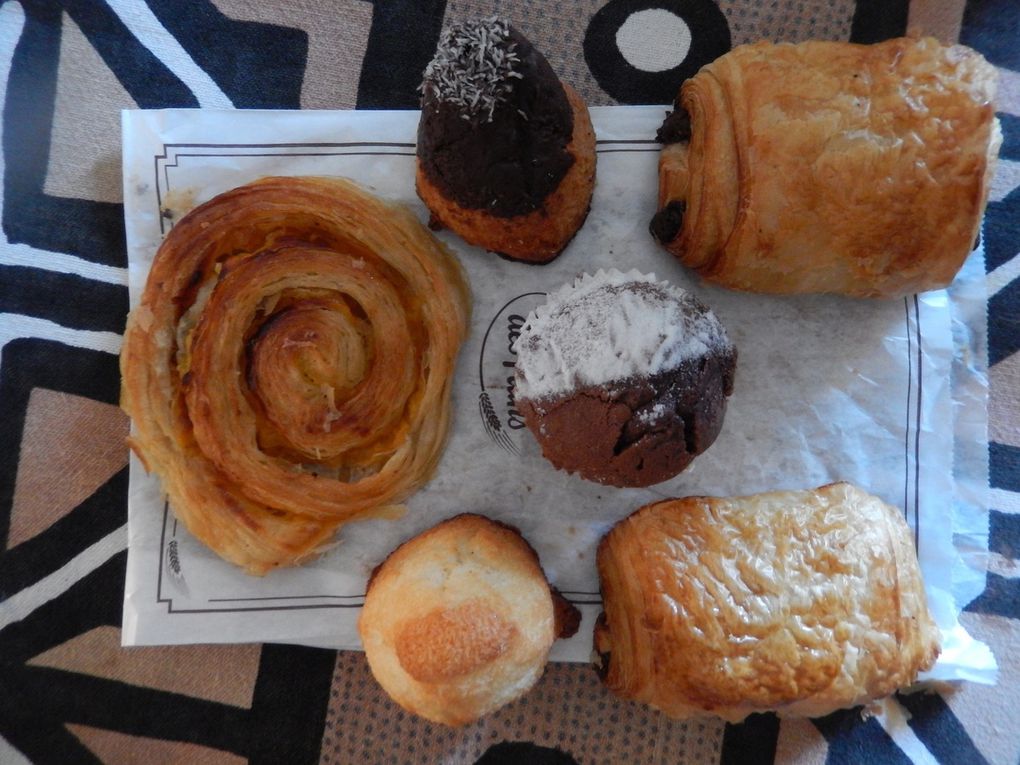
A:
(506, 152)
(830, 166)
(796, 602)
(459, 620)
(622, 379)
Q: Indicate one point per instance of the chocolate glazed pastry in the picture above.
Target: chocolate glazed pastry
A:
(506, 152)
(623, 380)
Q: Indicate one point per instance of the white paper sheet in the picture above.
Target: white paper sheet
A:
(880, 393)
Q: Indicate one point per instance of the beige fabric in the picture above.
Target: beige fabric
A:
(1004, 402)
(568, 709)
(85, 140)
(800, 742)
(337, 36)
(805, 20)
(53, 479)
(221, 673)
(937, 18)
(989, 713)
(113, 748)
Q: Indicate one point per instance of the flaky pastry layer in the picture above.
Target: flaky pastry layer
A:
(834, 167)
(798, 602)
(289, 365)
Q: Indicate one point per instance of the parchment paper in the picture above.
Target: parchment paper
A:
(890, 395)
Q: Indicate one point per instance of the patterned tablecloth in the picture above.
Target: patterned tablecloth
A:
(68, 691)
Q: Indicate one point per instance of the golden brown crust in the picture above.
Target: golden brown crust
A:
(540, 236)
(446, 643)
(459, 620)
(834, 167)
(289, 364)
(795, 602)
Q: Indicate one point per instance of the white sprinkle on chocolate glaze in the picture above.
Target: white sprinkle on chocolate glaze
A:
(474, 66)
(608, 328)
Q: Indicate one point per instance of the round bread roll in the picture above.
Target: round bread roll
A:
(622, 379)
(506, 152)
(459, 620)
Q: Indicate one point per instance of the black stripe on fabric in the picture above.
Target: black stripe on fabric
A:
(257, 65)
(293, 685)
(752, 742)
(40, 740)
(92, 230)
(1004, 466)
(33, 363)
(877, 20)
(102, 512)
(1004, 534)
(86, 228)
(67, 299)
(59, 695)
(1010, 124)
(989, 26)
(1001, 232)
(1004, 311)
(147, 79)
(935, 725)
(401, 42)
(1001, 597)
(95, 600)
(853, 740)
(37, 702)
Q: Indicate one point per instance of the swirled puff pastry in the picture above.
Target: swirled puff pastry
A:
(798, 602)
(289, 365)
(459, 620)
(829, 166)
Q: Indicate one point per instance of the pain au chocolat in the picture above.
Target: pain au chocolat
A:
(797, 602)
(830, 167)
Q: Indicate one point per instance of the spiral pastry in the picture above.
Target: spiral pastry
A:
(289, 365)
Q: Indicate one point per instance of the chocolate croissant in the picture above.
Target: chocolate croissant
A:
(798, 602)
(289, 365)
(829, 167)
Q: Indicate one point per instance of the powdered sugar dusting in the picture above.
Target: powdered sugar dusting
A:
(474, 66)
(609, 327)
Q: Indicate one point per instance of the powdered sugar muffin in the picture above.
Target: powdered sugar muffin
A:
(623, 379)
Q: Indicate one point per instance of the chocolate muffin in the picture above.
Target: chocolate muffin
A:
(506, 152)
(623, 379)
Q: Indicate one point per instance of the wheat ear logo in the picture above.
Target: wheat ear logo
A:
(496, 405)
